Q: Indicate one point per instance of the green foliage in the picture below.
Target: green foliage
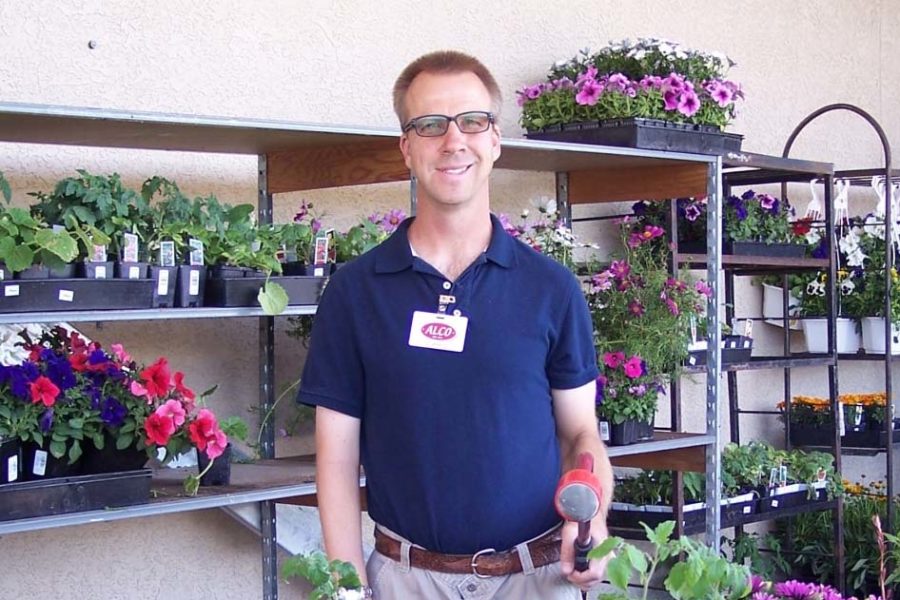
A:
(26, 240)
(235, 428)
(753, 217)
(98, 207)
(273, 298)
(762, 554)
(698, 574)
(327, 578)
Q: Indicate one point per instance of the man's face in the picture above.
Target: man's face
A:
(451, 169)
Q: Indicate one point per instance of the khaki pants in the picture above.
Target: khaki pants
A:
(392, 580)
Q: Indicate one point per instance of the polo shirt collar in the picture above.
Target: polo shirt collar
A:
(396, 254)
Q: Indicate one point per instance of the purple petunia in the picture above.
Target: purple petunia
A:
(692, 212)
(20, 379)
(589, 93)
(46, 421)
(688, 104)
(113, 412)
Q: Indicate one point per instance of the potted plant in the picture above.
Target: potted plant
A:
(102, 209)
(331, 580)
(642, 325)
(811, 289)
(548, 234)
(217, 470)
(651, 94)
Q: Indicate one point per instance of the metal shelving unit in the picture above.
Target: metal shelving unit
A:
(301, 156)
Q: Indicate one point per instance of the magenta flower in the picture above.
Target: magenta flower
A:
(613, 359)
(618, 82)
(673, 308)
(722, 95)
(315, 225)
(590, 93)
(619, 269)
(636, 308)
(689, 104)
(392, 220)
(601, 282)
(703, 288)
(795, 590)
(671, 99)
(674, 83)
(634, 367)
(589, 75)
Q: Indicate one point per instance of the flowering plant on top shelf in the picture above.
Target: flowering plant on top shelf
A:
(642, 318)
(651, 78)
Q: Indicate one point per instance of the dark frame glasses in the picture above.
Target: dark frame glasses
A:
(473, 121)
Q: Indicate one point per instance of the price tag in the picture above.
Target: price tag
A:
(11, 290)
(746, 510)
(134, 272)
(604, 430)
(100, 272)
(12, 468)
(162, 286)
(66, 295)
(194, 285)
(40, 463)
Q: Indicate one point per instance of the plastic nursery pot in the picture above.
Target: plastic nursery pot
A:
(10, 460)
(110, 459)
(95, 270)
(163, 286)
(220, 471)
(191, 283)
(131, 270)
(38, 463)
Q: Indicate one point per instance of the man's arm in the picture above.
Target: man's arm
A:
(576, 428)
(337, 482)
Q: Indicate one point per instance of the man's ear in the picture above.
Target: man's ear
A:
(495, 141)
(404, 150)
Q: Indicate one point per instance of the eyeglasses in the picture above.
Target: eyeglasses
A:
(474, 121)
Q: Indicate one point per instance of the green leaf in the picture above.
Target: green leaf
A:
(618, 569)
(5, 189)
(605, 547)
(57, 448)
(19, 259)
(272, 298)
(124, 441)
(662, 534)
(637, 558)
(61, 244)
(74, 451)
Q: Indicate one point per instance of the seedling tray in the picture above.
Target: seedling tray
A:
(73, 494)
(243, 291)
(649, 134)
(39, 295)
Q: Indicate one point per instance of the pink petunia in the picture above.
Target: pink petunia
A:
(172, 409)
(633, 367)
(589, 94)
(689, 104)
(613, 359)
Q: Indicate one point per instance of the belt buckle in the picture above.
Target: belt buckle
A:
(474, 562)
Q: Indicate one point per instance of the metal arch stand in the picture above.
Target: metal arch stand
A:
(832, 380)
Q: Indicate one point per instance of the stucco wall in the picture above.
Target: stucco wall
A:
(335, 62)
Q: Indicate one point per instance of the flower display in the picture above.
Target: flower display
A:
(642, 318)
(654, 79)
(548, 234)
(69, 391)
(367, 234)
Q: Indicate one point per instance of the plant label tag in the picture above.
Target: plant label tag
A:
(438, 331)
(12, 468)
(604, 430)
(98, 253)
(196, 256)
(194, 284)
(2, 274)
(774, 503)
(57, 229)
(40, 463)
(100, 272)
(841, 422)
(134, 273)
(11, 290)
(130, 247)
(167, 253)
(746, 510)
(162, 286)
(66, 295)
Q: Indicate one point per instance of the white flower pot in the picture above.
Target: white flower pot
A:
(873, 336)
(772, 310)
(816, 333)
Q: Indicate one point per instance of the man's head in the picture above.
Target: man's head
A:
(443, 62)
(450, 138)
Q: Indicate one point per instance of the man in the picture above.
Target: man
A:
(458, 365)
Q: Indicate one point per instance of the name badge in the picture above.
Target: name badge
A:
(438, 331)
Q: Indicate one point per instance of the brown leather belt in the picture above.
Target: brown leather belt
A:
(484, 563)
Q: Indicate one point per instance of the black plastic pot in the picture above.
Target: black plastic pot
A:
(38, 463)
(110, 459)
(295, 267)
(164, 284)
(67, 271)
(623, 434)
(220, 471)
(227, 272)
(4, 272)
(131, 270)
(10, 460)
(190, 286)
(95, 270)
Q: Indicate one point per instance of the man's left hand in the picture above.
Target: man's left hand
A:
(593, 576)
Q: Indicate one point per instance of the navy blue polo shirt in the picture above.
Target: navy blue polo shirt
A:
(459, 449)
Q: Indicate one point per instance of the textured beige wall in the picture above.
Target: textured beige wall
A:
(335, 62)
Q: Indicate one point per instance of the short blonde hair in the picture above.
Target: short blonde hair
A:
(444, 61)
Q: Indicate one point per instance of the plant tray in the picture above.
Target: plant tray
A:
(768, 503)
(649, 134)
(747, 249)
(73, 494)
(38, 295)
(242, 291)
(735, 349)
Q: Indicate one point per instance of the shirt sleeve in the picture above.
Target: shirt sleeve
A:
(572, 361)
(333, 376)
